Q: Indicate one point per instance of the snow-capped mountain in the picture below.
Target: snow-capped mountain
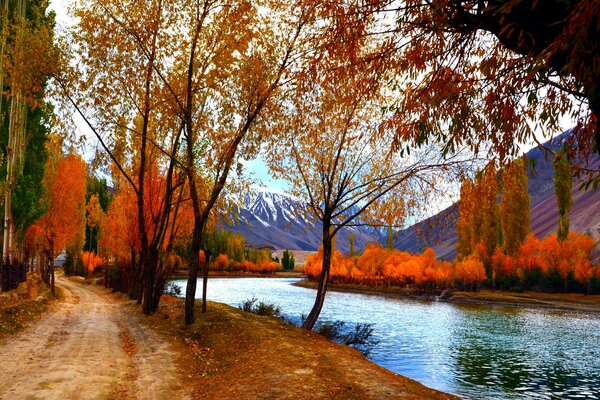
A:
(284, 223)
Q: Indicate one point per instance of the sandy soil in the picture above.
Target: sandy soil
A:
(88, 346)
(232, 354)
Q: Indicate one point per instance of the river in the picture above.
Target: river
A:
(473, 351)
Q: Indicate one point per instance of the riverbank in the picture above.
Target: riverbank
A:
(239, 274)
(230, 354)
(557, 301)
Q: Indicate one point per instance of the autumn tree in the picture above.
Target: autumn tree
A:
(231, 60)
(211, 79)
(120, 240)
(487, 74)
(390, 238)
(337, 158)
(121, 99)
(465, 221)
(563, 183)
(515, 206)
(64, 219)
(540, 53)
(478, 226)
(94, 216)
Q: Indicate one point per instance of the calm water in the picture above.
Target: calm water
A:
(476, 352)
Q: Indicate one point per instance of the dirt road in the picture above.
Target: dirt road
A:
(88, 347)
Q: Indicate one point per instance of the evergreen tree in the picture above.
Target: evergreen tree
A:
(390, 238)
(563, 184)
(285, 260)
(351, 238)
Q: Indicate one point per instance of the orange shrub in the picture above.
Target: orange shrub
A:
(503, 264)
(530, 255)
(91, 261)
(221, 263)
(378, 266)
(470, 271)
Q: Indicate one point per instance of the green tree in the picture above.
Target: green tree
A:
(351, 238)
(285, 259)
(26, 62)
(390, 238)
(563, 184)
(515, 206)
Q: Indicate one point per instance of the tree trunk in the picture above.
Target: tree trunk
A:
(133, 278)
(139, 281)
(205, 279)
(595, 108)
(159, 286)
(51, 268)
(313, 316)
(190, 291)
(149, 268)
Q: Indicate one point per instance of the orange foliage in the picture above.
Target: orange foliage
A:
(379, 266)
(65, 181)
(120, 234)
(503, 264)
(91, 261)
(571, 256)
(221, 262)
(470, 271)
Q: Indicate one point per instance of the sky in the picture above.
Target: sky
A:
(255, 168)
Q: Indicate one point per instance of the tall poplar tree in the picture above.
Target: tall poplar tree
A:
(465, 219)
(26, 61)
(515, 206)
(563, 184)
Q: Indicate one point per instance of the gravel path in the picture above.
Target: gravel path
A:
(88, 346)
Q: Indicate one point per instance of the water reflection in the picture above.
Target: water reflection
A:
(476, 352)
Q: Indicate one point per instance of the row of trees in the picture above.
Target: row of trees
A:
(229, 253)
(483, 222)
(378, 266)
(547, 265)
(498, 233)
